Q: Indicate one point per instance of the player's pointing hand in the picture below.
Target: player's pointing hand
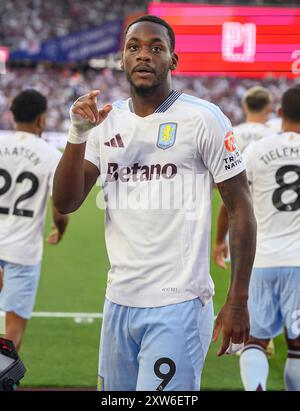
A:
(85, 115)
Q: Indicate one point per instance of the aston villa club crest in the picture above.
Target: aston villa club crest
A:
(166, 135)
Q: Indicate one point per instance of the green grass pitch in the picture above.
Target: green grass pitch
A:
(59, 352)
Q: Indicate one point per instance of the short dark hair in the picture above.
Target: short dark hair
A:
(157, 20)
(28, 105)
(290, 104)
(257, 98)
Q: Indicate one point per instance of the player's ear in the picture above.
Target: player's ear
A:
(174, 61)
(41, 122)
(279, 111)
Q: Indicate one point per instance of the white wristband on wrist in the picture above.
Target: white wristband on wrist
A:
(77, 137)
(79, 129)
(234, 348)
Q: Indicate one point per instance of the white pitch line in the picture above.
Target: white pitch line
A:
(66, 315)
(69, 315)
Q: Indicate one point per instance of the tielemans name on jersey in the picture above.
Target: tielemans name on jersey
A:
(139, 172)
(21, 152)
(290, 152)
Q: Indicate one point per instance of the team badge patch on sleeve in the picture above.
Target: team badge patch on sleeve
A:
(229, 142)
(166, 135)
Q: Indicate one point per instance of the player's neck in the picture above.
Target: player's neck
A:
(288, 126)
(256, 118)
(27, 128)
(144, 105)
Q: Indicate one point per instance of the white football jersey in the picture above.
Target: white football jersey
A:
(275, 124)
(273, 168)
(245, 133)
(27, 166)
(157, 174)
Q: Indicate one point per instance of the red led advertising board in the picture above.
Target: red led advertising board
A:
(234, 40)
(4, 54)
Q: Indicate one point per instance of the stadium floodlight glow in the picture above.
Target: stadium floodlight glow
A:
(97, 63)
(111, 61)
(12, 369)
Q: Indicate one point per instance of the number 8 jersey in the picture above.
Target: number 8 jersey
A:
(27, 165)
(273, 168)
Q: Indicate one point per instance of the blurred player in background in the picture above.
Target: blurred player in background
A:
(275, 124)
(273, 168)
(26, 173)
(2, 314)
(158, 313)
(257, 105)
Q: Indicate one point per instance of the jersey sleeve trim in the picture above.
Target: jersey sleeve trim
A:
(216, 112)
(229, 174)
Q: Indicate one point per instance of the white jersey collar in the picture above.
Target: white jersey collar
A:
(25, 134)
(164, 106)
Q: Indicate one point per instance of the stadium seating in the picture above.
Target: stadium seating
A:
(38, 20)
(63, 86)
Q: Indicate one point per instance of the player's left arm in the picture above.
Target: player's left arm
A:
(233, 319)
(60, 222)
(221, 246)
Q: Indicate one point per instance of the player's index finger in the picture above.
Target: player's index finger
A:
(93, 95)
(225, 343)
(217, 329)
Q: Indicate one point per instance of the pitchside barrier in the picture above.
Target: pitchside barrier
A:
(57, 139)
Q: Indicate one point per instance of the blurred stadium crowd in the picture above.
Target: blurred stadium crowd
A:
(63, 86)
(38, 20)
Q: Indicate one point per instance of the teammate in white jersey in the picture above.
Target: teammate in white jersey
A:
(158, 154)
(273, 168)
(27, 165)
(257, 105)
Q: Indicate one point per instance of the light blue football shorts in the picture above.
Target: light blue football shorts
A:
(149, 349)
(20, 283)
(274, 302)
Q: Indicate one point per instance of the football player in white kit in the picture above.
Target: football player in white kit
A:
(158, 313)
(273, 168)
(257, 106)
(27, 165)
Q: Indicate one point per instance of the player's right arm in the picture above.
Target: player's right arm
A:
(75, 176)
(60, 222)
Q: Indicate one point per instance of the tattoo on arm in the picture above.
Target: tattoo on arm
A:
(242, 230)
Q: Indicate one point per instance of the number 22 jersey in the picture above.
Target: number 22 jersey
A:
(273, 169)
(27, 166)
